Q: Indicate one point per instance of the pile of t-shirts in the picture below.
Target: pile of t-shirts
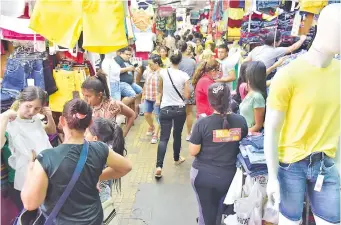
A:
(252, 157)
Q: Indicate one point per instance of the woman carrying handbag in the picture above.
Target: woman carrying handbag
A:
(173, 83)
(76, 166)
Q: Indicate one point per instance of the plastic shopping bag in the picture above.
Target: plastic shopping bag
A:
(235, 190)
(231, 220)
(243, 208)
(271, 212)
(256, 196)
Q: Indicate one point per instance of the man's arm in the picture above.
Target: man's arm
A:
(297, 45)
(231, 76)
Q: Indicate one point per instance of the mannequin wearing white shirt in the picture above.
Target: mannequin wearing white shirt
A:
(326, 44)
(112, 69)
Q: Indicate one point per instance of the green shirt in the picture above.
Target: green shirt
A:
(6, 153)
(251, 101)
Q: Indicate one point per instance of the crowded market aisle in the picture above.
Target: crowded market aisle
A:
(142, 201)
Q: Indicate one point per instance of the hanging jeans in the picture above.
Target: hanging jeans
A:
(19, 70)
(169, 116)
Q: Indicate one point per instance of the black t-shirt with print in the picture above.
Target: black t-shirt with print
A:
(83, 206)
(215, 154)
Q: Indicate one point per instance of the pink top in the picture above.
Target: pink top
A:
(243, 90)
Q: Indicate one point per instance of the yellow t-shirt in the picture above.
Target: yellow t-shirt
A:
(310, 97)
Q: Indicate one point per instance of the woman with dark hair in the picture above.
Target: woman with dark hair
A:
(215, 145)
(96, 92)
(164, 56)
(110, 133)
(173, 85)
(150, 92)
(188, 65)
(271, 52)
(204, 76)
(253, 105)
(241, 90)
(23, 135)
(52, 171)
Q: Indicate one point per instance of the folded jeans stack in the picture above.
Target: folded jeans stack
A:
(252, 157)
(7, 97)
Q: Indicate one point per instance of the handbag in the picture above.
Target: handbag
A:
(36, 217)
(175, 87)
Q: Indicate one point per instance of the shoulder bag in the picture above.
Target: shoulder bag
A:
(182, 98)
(37, 217)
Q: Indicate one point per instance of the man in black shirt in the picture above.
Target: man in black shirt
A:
(129, 89)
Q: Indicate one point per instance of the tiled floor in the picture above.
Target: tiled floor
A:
(143, 156)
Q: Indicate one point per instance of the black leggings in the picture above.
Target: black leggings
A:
(211, 186)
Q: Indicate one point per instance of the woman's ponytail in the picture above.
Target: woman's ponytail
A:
(101, 76)
(198, 73)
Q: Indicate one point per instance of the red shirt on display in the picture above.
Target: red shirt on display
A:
(201, 96)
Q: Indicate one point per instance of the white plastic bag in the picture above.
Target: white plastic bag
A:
(243, 208)
(235, 190)
(256, 197)
(271, 212)
(231, 220)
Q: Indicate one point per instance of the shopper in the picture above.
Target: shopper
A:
(227, 66)
(53, 168)
(204, 76)
(173, 84)
(96, 92)
(215, 145)
(110, 133)
(241, 90)
(164, 56)
(188, 65)
(253, 105)
(129, 89)
(150, 92)
(26, 136)
(270, 52)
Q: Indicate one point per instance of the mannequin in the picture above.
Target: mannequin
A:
(319, 56)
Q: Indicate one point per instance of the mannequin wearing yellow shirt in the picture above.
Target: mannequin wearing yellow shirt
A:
(302, 129)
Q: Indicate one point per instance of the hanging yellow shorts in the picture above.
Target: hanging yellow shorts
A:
(62, 21)
(67, 83)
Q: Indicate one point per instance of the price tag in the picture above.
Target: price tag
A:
(319, 183)
(30, 82)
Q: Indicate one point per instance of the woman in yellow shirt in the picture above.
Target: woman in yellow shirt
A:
(164, 58)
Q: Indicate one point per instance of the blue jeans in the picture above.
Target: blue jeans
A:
(297, 179)
(115, 90)
(19, 70)
(130, 90)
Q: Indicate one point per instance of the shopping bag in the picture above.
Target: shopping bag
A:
(243, 208)
(271, 212)
(109, 212)
(235, 190)
(231, 220)
(256, 197)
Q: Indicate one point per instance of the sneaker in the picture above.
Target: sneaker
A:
(150, 131)
(154, 139)
(158, 172)
(188, 137)
(181, 160)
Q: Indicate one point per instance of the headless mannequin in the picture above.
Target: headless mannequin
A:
(324, 48)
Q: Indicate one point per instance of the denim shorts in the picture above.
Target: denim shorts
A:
(299, 178)
(130, 90)
(151, 107)
(115, 90)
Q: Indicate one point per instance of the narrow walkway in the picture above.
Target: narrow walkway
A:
(169, 201)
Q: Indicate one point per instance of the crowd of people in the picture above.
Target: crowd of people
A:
(175, 87)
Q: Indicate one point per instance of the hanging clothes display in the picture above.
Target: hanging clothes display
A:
(62, 22)
(314, 7)
(69, 80)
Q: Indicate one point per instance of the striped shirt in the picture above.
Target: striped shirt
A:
(151, 84)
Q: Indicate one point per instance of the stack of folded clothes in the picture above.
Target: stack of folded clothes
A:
(7, 97)
(252, 157)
